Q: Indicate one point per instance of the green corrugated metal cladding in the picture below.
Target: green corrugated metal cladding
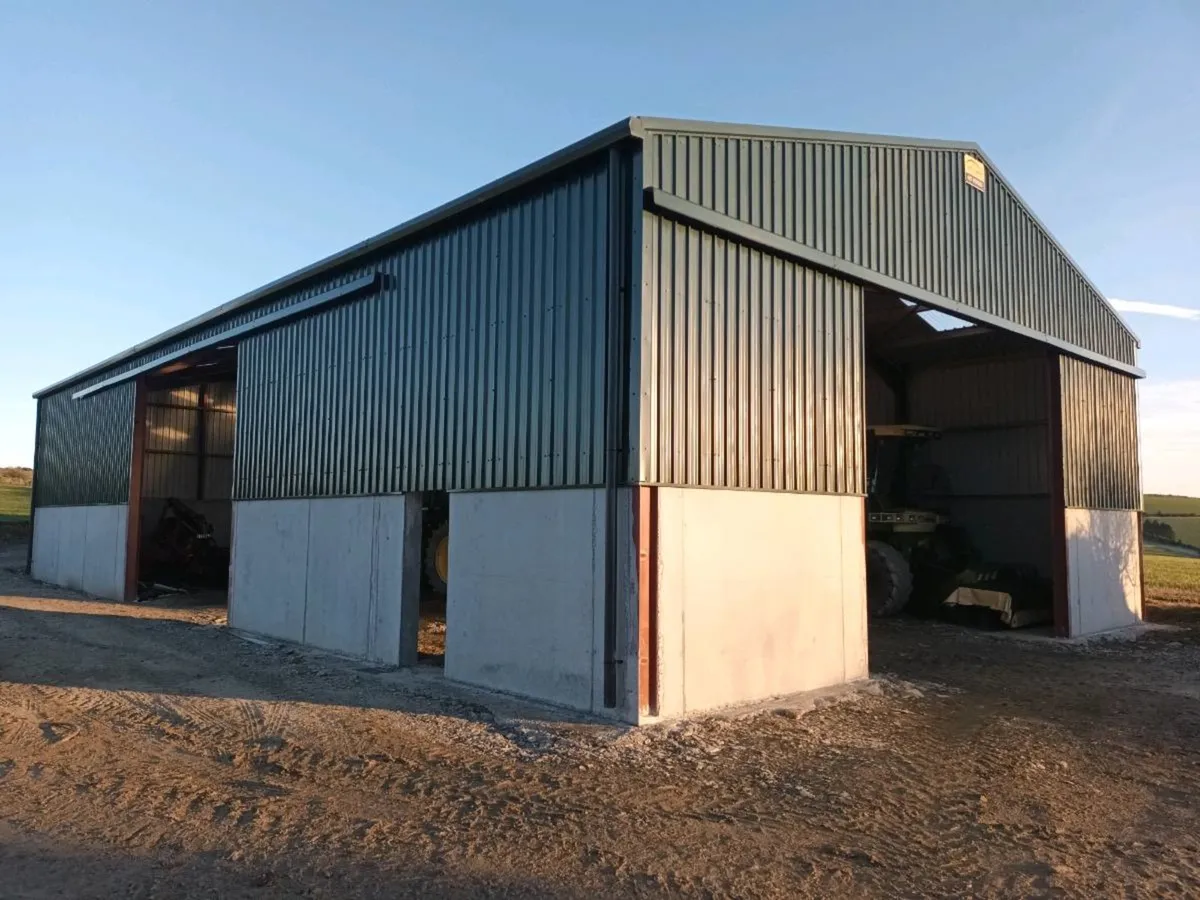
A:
(902, 209)
(481, 364)
(84, 447)
(750, 371)
(1100, 437)
(487, 353)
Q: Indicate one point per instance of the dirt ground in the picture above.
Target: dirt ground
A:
(147, 751)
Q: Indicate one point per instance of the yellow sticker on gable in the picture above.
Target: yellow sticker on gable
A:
(975, 172)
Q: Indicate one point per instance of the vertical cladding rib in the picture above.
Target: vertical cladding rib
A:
(994, 418)
(84, 447)
(478, 366)
(1100, 437)
(751, 369)
(914, 217)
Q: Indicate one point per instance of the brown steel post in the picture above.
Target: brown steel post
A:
(1058, 501)
(133, 532)
(646, 498)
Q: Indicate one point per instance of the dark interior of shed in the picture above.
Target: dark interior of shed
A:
(435, 573)
(185, 512)
(959, 468)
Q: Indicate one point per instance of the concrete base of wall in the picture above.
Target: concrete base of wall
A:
(1104, 576)
(759, 595)
(82, 547)
(341, 574)
(525, 607)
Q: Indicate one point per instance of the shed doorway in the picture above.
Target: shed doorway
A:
(181, 518)
(960, 487)
(435, 577)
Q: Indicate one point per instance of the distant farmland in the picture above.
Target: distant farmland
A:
(1158, 505)
(1181, 513)
(1186, 528)
(14, 503)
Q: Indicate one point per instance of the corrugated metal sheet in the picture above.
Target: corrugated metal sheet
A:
(751, 368)
(171, 429)
(480, 365)
(174, 444)
(995, 392)
(170, 475)
(1100, 437)
(84, 448)
(905, 212)
(994, 416)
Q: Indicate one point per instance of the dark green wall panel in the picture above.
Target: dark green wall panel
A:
(84, 448)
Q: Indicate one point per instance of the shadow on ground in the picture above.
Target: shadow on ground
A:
(37, 867)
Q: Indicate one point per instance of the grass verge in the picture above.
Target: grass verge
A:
(14, 503)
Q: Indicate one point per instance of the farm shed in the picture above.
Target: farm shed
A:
(634, 380)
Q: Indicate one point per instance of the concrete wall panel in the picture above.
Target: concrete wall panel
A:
(760, 595)
(82, 548)
(526, 578)
(270, 568)
(396, 562)
(330, 573)
(852, 518)
(337, 615)
(1104, 573)
(46, 527)
(72, 547)
(105, 543)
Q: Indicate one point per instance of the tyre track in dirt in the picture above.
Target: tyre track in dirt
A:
(139, 745)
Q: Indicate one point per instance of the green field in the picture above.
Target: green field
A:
(1186, 528)
(14, 503)
(1169, 505)
(1181, 513)
(1173, 573)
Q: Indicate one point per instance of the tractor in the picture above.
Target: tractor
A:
(435, 542)
(912, 549)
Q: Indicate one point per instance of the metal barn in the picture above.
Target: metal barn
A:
(628, 390)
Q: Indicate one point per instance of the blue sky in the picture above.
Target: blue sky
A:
(159, 159)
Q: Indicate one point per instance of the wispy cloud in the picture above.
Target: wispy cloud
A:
(1155, 309)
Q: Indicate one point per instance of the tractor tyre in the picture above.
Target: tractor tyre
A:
(889, 580)
(437, 558)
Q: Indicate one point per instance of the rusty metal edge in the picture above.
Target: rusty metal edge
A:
(133, 524)
(646, 502)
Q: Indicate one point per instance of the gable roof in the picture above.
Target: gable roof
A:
(854, 229)
(899, 213)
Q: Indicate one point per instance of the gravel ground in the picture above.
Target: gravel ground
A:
(147, 751)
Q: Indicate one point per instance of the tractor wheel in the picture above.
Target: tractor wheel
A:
(437, 558)
(889, 579)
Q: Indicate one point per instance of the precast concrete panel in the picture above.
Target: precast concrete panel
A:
(524, 609)
(340, 574)
(82, 548)
(1104, 570)
(269, 581)
(759, 595)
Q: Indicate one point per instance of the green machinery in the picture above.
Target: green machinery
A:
(912, 549)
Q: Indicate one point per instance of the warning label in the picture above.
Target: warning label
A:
(975, 172)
